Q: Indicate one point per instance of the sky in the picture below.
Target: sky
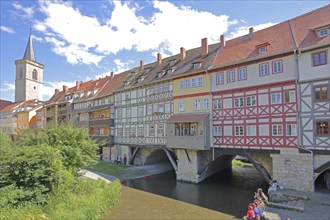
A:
(84, 40)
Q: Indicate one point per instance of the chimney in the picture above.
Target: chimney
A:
(65, 88)
(205, 47)
(141, 65)
(250, 30)
(222, 40)
(77, 84)
(159, 58)
(111, 74)
(183, 53)
(57, 91)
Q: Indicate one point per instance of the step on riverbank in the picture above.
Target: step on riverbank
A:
(288, 199)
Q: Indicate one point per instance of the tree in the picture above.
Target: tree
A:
(28, 174)
(4, 140)
(76, 148)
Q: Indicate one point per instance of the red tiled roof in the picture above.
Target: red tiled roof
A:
(187, 118)
(4, 103)
(303, 27)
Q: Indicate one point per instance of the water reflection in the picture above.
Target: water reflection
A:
(228, 192)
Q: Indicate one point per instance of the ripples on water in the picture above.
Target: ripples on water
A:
(228, 192)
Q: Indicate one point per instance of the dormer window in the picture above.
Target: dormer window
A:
(196, 65)
(147, 70)
(169, 72)
(323, 32)
(160, 74)
(262, 48)
(126, 83)
(140, 79)
(172, 62)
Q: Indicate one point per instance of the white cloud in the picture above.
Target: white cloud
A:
(243, 30)
(27, 11)
(169, 28)
(7, 29)
(7, 91)
(122, 66)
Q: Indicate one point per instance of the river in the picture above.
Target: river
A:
(227, 192)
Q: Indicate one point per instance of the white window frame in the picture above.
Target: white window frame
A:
(197, 104)
(291, 130)
(239, 130)
(231, 76)
(251, 101)
(217, 130)
(239, 102)
(263, 69)
(160, 130)
(276, 98)
(181, 105)
(292, 96)
(277, 130)
(205, 103)
(217, 104)
(277, 66)
(219, 78)
(242, 74)
(200, 81)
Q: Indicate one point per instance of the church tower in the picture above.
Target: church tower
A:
(29, 76)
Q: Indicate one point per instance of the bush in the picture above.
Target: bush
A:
(4, 140)
(76, 149)
(28, 174)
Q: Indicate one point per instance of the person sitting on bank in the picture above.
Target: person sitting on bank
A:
(260, 194)
(118, 160)
(275, 186)
(125, 159)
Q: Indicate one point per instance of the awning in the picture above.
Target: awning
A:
(187, 118)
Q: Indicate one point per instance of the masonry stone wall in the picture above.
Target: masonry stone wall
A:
(187, 170)
(293, 170)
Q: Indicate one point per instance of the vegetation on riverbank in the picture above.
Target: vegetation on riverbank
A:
(107, 168)
(238, 163)
(39, 178)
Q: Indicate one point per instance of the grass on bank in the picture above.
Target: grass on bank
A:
(107, 168)
(85, 199)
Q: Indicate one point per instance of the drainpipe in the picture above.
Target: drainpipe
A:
(297, 53)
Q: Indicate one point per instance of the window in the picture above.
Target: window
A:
(291, 130)
(149, 109)
(319, 58)
(216, 104)
(277, 130)
(277, 66)
(160, 130)
(205, 103)
(161, 107)
(242, 74)
(35, 74)
(182, 84)
(322, 128)
(181, 105)
(128, 113)
(127, 131)
(132, 133)
(289, 96)
(193, 129)
(197, 104)
(250, 101)
(188, 83)
(140, 131)
(323, 32)
(200, 81)
(151, 130)
(196, 66)
(263, 69)
(167, 107)
(239, 130)
(262, 50)
(251, 130)
(172, 62)
(321, 92)
(194, 82)
(238, 102)
(217, 131)
(219, 78)
(276, 98)
(230, 76)
(140, 111)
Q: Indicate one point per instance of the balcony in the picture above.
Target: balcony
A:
(101, 122)
(62, 111)
(187, 142)
(80, 123)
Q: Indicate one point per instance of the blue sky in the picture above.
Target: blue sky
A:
(83, 40)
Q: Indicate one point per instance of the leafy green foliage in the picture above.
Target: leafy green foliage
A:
(77, 150)
(4, 140)
(28, 174)
(84, 199)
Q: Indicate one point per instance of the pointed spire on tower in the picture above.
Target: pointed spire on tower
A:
(29, 51)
